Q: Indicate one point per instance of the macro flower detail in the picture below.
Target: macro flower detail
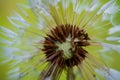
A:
(63, 47)
(60, 40)
(68, 35)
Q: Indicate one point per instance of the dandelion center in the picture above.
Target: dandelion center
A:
(65, 45)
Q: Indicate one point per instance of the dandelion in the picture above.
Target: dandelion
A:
(59, 39)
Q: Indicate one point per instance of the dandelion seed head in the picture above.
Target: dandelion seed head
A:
(56, 42)
(57, 46)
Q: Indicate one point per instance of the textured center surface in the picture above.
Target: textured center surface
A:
(64, 45)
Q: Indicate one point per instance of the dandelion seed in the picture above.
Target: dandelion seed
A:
(59, 41)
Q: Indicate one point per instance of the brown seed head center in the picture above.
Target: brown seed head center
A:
(65, 45)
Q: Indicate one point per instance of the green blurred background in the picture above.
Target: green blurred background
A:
(6, 8)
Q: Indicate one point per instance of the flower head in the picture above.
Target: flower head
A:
(69, 35)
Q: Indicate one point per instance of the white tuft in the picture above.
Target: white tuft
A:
(104, 7)
(8, 32)
(112, 74)
(114, 29)
(111, 46)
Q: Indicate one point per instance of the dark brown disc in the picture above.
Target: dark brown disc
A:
(66, 34)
